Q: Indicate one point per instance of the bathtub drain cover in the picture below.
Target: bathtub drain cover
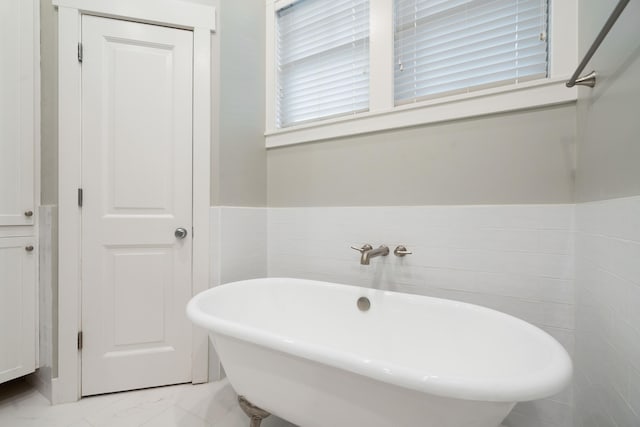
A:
(364, 304)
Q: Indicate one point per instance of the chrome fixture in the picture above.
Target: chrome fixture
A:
(363, 304)
(383, 250)
(367, 252)
(181, 233)
(590, 79)
(401, 251)
(256, 414)
(363, 248)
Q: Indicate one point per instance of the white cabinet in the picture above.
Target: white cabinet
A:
(17, 307)
(18, 118)
(19, 130)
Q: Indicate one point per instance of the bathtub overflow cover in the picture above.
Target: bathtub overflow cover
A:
(364, 304)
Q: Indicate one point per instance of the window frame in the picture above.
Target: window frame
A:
(384, 115)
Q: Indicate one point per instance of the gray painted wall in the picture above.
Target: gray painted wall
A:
(238, 153)
(48, 283)
(518, 157)
(608, 116)
(49, 102)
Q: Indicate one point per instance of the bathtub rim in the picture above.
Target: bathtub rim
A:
(535, 386)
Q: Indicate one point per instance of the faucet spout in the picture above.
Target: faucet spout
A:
(383, 250)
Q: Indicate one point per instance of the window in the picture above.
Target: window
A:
(322, 60)
(347, 67)
(446, 47)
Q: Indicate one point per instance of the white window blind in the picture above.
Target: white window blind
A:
(444, 47)
(322, 60)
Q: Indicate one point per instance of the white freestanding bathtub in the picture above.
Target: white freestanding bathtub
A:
(304, 351)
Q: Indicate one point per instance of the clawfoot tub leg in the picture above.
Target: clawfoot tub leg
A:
(256, 414)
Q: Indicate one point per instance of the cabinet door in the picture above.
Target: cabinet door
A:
(17, 307)
(17, 112)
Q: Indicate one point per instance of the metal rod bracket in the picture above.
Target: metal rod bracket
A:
(588, 80)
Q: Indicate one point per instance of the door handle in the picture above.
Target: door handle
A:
(181, 233)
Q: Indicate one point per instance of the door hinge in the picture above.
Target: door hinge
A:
(80, 340)
(80, 197)
(79, 52)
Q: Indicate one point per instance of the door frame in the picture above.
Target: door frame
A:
(198, 18)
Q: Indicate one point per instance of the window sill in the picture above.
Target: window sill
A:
(480, 103)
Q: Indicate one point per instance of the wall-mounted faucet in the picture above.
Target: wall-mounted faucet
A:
(401, 251)
(367, 252)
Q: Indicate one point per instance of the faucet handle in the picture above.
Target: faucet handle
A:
(366, 247)
(401, 251)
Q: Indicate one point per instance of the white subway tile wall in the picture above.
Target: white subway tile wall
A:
(514, 258)
(607, 379)
(238, 251)
(238, 244)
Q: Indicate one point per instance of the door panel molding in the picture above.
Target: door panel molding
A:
(199, 19)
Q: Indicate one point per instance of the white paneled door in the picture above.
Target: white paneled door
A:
(137, 205)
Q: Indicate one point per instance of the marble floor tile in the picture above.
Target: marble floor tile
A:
(210, 401)
(176, 417)
(203, 405)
